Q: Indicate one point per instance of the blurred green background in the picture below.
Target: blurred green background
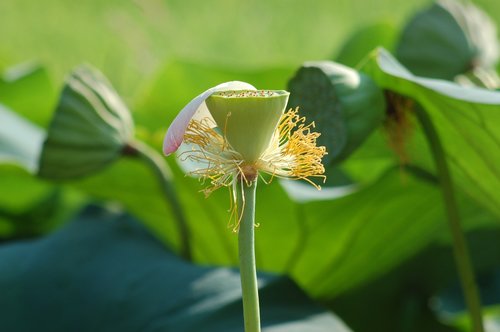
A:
(130, 40)
(159, 55)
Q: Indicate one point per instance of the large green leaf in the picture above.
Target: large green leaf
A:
(20, 141)
(376, 218)
(364, 40)
(467, 121)
(449, 304)
(103, 272)
(26, 88)
(370, 232)
(20, 193)
(131, 183)
(19, 189)
(327, 246)
(31, 207)
(417, 292)
(25, 203)
(28, 206)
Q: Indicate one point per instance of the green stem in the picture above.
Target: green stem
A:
(156, 163)
(460, 249)
(246, 248)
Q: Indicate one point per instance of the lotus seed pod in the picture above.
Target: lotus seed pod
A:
(248, 118)
(448, 39)
(89, 130)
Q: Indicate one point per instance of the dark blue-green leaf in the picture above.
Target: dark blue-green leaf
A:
(103, 272)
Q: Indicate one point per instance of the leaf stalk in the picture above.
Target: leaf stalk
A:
(460, 248)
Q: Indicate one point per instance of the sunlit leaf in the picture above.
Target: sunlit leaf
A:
(20, 141)
(27, 89)
(467, 121)
(369, 232)
(364, 40)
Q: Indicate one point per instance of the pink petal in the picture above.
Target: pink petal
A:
(175, 133)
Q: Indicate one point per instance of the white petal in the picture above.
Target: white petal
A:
(175, 133)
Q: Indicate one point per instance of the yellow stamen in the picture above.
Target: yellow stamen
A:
(295, 155)
(219, 161)
(292, 154)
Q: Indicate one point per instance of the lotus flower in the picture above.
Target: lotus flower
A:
(236, 131)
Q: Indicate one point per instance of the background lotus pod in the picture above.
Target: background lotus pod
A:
(345, 105)
(89, 130)
(447, 39)
(248, 118)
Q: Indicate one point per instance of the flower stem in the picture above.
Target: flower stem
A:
(155, 162)
(460, 249)
(246, 248)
